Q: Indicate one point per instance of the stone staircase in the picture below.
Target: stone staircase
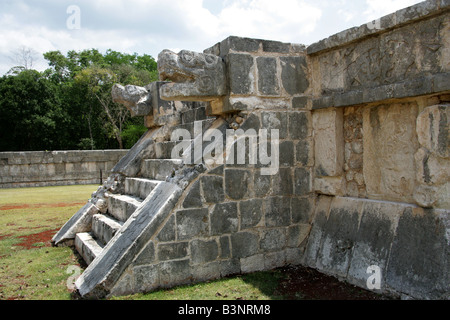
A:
(135, 193)
(120, 207)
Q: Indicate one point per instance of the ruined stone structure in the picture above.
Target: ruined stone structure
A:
(361, 181)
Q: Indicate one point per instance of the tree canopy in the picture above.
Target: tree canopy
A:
(69, 105)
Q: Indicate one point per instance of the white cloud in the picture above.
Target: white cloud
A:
(379, 8)
(149, 26)
(284, 20)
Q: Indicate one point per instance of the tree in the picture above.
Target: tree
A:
(31, 117)
(69, 105)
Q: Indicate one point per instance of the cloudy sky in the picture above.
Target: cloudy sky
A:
(149, 26)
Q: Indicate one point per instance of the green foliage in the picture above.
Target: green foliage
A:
(132, 133)
(69, 105)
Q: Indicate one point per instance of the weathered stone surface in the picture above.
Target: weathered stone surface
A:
(171, 251)
(267, 76)
(302, 210)
(240, 72)
(224, 218)
(332, 186)
(237, 183)
(302, 181)
(277, 211)
(80, 222)
(293, 74)
(213, 191)
(273, 239)
(168, 232)
(196, 76)
(193, 198)
(244, 244)
(390, 142)
(277, 121)
(433, 126)
(421, 239)
(192, 222)
(251, 213)
(204, 251)
(137, 99)
(328, 142)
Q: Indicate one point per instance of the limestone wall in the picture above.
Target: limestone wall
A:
(55, 168)
(380, 108)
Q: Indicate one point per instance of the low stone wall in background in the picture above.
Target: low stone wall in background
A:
(56, 168)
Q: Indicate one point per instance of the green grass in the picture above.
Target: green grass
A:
(41, 272)
(30, 269)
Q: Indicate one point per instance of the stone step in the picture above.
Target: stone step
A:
(160, 169)
(87, 246)
(139, 187)
(122, 206)
(104, 227)
(205, 124)
(195, 114)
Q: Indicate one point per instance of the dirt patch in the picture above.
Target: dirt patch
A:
(309, 284)
(37, 240)
(41, 205)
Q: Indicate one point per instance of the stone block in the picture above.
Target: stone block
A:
(267, 76)
(251, 213)
(252, 264)
(146, 278)
(237, 183)
(376, 233)
(273, 260)
(168, 232)
(297, 234)
(261, 184)
(212, 187)
(275, 46)
(192, 223)
(147, 256)
(287, 153)
(299, 125)
(419, 260)
(333, 238)
(224, 218)
(241, 73)
(300, 102)
(174, 273)
(244, 244)
(328, 127)
(302, 181)
(171, 251)
(230, 267)
(302, 210)
(225, 250)
(304, 152)
(332, 186)
(275, 120)
(273, 239)
(390, 143)
(294, 75)
(203, 251)
(207, 272)
(193, 198)
(238, 44)
(282, 183)
(277, 211)
(433, 130)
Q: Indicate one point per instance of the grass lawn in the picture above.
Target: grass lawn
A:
(31, 269)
